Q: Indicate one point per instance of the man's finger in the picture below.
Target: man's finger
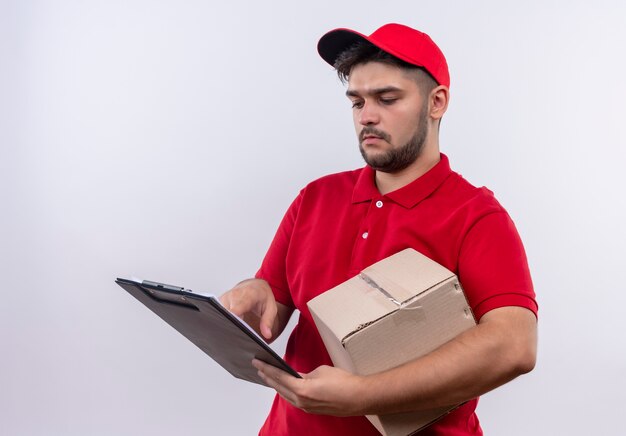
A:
(267, 320)
(277, 379)
(225, 301)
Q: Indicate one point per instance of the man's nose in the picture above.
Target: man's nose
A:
(368, 115)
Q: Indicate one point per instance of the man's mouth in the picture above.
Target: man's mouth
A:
(371, 139)
(371, 134)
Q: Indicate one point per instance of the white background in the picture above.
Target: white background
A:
(165, 140)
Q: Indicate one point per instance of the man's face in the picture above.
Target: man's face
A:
(390, 115)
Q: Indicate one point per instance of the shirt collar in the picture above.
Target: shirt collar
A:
(408, 196)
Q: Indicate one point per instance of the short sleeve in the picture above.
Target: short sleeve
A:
(273, 269)
(493, 268)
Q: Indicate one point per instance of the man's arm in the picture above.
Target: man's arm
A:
(253, 300)
(501, 347)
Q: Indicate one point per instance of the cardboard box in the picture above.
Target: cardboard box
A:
(394, 311)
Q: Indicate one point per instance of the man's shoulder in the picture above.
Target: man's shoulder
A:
(466, 195)
(345, 180)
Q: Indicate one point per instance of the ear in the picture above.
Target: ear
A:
(439, 98)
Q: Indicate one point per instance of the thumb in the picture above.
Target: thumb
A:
(268, 317)
(225, 301)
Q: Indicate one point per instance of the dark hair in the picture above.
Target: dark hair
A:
(364, 52)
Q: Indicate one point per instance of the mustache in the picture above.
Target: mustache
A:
(369, 130)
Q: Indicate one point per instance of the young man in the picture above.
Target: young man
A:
(406, 196)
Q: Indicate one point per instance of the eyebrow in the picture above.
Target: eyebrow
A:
(375, 91)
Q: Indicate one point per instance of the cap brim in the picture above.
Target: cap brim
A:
(334, 42)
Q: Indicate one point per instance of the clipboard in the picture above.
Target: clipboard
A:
(211, 327)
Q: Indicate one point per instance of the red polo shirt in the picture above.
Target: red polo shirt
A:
(340, 224)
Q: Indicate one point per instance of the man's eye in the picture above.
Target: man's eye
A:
(357, 104)
(388, 100)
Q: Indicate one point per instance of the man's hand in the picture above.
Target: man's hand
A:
(325, 390)
(501, 347)
(253, 300)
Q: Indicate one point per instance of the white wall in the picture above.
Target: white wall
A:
(165, 139)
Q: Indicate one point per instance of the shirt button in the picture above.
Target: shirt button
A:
(365, 235)
(379, 204)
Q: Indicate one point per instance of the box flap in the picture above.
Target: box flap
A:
(406, 274)
(386, 284)
(344, 309)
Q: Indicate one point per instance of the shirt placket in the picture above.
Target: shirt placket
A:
(371, 234)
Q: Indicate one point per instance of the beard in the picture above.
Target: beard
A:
(396, 159)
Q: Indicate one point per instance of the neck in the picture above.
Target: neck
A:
(388, 182)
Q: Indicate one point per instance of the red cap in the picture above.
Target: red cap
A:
(401, 41)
